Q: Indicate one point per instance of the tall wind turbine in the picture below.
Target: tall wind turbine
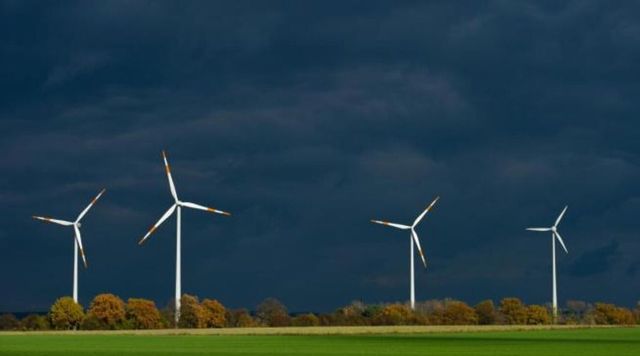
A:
(554, 235)
(77, 244)
(177, 207)
(413, 238)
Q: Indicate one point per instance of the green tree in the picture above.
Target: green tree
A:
(35, 322)
(305, 320)
(537, 315)
(513, 310)
(108, 309)
(9, 322)
(192, 314)
(66, 314)
(215, 313)
(459, 313)
(143, 314)
(486, 312)
(272, 312)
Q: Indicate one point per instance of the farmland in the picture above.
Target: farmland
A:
(494, 340)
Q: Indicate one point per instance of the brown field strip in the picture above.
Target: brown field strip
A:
(320, 330)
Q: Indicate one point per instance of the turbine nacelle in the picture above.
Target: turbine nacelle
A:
(414, 235)
(76, 224)
(178, 203)
(553, 229)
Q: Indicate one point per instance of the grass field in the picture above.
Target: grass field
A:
(387, 341)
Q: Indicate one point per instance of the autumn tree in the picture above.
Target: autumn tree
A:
(272, 312)
(215, 313)
(432, 311)
(192, 314)
(35, 322)
(239, 318)
(513, 310)
(486, 312)
(9, 322)
(393, 314)
(143, 314)
(604, 313)
(355, 313)
(108, 309)
(537, 315)
(66, 314)
(305, 320)
(459, 313)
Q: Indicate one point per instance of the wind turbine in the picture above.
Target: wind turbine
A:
(176, 207)
(554, 235)
(413, 237)
(77, 244)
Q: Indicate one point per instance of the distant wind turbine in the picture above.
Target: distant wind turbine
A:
(554, 235)
(413, 238)
(77, 244)
(177, 206)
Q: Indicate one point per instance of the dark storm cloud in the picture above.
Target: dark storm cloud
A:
(307, 120)
(595, 261)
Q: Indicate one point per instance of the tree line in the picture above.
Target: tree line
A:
(109, 312)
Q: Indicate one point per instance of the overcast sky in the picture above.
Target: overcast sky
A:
(306, 120)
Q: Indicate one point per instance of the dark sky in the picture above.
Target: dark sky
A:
(305, 120)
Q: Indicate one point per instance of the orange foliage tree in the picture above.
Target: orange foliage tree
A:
(108, 309)
(143, 314)
(215, 313)
(513, 310)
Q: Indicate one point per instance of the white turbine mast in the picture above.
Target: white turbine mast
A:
(413, 238)
(77, 244)
(554, 235)
(177, 207)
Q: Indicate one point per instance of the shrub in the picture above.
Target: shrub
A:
(486, 312)
(239, 318)
(272, 312)
(215, 313)
(305, 320)
(612, 315)
(459, 313)
(143, 314)
(35, 322)
(537, 315)
(66, 314)
(393, 314)
(91, 322)
(9, 322)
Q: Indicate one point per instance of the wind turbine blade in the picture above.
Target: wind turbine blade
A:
(425, 212)
(90, 205)
(561, 242)
(200, 207)
(560, 216)
(168, 169)
(415, 239)
(164, 217)
(539, 228)
(397, 226)
(79, 242)
(55, 221)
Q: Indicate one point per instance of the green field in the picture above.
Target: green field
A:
(582, 342)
